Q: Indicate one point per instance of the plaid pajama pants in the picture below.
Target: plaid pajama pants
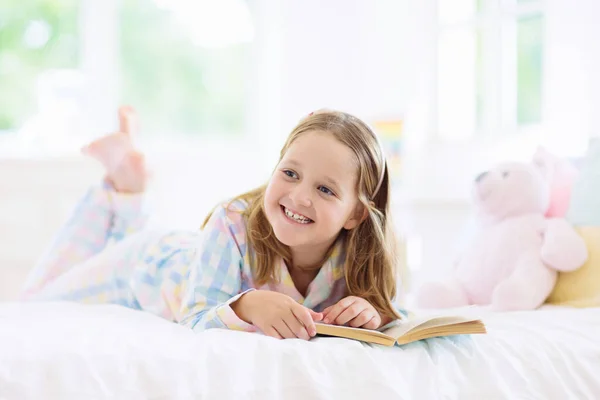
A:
(104, 254)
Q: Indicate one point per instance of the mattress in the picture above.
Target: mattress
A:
(72, 351)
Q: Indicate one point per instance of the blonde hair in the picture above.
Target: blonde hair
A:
(371, 265)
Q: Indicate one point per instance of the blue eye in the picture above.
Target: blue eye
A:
(290, 174)
(325, 190)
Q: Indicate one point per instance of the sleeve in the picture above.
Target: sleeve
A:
(215, 279)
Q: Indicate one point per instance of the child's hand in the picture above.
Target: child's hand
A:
(353, 311)
(277, 315)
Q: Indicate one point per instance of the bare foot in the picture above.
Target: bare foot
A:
(125, 166)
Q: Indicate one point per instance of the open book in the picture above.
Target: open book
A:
(407, 330)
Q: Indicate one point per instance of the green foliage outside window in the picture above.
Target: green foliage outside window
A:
(35, 35)
(176, 86)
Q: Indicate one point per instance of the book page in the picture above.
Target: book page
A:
(419, 323)
(466, 328)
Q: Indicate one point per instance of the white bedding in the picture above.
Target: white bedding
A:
(70, 351)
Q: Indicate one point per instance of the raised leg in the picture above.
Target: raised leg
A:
(106, 214)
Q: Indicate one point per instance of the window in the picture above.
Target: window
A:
(65, 65)
(36, 37)
(183, 63)
(489, 67)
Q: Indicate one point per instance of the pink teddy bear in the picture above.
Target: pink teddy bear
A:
(513, 259)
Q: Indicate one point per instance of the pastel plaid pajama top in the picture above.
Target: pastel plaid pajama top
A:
(219, 273)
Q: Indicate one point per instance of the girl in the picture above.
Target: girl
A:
(314, 244)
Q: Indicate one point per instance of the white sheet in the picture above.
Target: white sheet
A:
(70, 351)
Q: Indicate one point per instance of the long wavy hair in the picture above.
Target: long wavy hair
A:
(371, 261)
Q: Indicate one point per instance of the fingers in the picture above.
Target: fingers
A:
(352, 312)
(270, 331)
(337, 309)
(316, 316)
(283, 329)
(303, 316)
(297, 328)
(374, 323)
(127, 120)
(365, 319)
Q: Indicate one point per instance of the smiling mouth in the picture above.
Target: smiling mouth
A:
(298, 218)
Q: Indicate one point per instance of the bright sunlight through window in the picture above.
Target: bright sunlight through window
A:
(184, 64)
(489, 78)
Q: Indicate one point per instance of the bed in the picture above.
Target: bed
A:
(72, 351)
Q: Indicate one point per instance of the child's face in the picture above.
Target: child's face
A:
(312, 194)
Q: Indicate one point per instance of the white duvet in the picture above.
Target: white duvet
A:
(70, 351)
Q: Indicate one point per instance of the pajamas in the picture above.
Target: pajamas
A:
(104, 254)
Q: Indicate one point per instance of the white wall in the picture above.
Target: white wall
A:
(344, 54)
(572, 81)
(338, 54)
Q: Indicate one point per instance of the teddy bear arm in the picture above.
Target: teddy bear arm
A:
(528, 286)
(563, 248)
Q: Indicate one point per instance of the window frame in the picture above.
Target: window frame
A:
(498, 21)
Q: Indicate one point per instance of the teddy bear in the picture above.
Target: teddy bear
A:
(513, 259)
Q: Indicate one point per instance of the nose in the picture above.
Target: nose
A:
(480, 176)
(300, 195)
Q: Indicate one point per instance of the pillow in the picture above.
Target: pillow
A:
(581, 288)
(584, 208)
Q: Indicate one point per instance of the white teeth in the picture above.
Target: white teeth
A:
(298, 218)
